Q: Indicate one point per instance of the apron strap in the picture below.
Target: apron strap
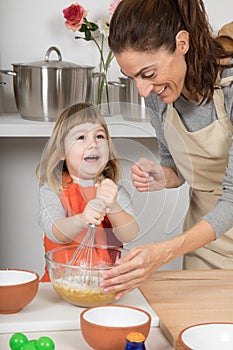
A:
(223, 82)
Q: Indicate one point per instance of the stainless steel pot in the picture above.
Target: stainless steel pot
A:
(43, 89)
(132, 105)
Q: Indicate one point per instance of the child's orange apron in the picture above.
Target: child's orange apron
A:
(201, 158)
(74, 199)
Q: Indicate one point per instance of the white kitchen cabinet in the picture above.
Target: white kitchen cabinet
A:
(160, 214)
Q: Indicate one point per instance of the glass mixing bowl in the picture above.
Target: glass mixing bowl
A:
(78, 283)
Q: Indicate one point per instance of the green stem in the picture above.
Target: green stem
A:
(100, 51)
(103, 66)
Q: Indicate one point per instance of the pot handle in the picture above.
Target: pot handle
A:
(48, 52)
(8, 72)
(116, 83)
(98, 74)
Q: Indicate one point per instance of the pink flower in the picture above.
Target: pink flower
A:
(113, 6)
(75, 15)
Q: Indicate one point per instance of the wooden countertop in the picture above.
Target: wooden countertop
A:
(183, 298)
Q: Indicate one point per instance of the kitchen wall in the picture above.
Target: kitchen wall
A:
(29, 27)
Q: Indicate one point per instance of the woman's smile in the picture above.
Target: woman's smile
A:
(160, 91)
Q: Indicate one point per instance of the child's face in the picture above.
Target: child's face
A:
(86, 150)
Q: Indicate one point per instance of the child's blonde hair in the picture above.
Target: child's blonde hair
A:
(51, 167)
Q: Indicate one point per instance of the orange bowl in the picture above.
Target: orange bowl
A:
(18, 288)
(106, 327)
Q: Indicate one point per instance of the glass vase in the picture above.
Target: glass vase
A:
(102, 95)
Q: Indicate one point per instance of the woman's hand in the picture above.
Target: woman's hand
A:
(132, 269)
(107, 190)
(148, 176)
(94, 212)
(136, 266)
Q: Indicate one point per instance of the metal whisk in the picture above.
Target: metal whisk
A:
(84, 257)
(83, 254)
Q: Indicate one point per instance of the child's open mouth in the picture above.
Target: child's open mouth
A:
(91, 158)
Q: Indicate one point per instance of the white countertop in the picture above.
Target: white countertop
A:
(13, 125)
(73, 340)
(48, 312)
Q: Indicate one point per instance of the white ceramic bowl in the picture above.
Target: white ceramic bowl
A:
(208, 336)
(106, 327)
(17, 289)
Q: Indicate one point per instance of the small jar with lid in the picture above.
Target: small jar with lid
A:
(135, 340)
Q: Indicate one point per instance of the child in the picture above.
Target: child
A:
(78, 176)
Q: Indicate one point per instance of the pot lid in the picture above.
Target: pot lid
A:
(47, 63)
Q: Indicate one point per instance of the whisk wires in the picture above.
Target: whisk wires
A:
(83, 254)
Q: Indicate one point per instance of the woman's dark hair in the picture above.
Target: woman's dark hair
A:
(146, 25)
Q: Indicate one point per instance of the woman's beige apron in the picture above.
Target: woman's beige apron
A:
(201, 158)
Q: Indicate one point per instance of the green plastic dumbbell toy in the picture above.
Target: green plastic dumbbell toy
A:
(19, 341)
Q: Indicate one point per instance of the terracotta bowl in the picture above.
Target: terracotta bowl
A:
(207, 336)
(106, 327)
(18, 288)
(78, 283)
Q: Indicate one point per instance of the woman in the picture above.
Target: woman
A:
(168, 48)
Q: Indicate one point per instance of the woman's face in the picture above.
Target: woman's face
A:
(86, 150)
(159, 72)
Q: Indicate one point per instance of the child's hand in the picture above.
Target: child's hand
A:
(94, 212)
(107, 190)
